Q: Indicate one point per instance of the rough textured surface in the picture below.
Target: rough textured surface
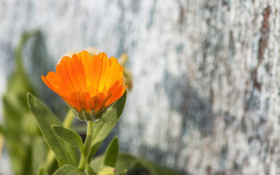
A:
(206, 85)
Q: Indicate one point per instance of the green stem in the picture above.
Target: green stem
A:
(49, 161)
(68, 119)
(85, 152)
(50, 156)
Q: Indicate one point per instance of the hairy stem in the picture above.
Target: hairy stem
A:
(87, 145)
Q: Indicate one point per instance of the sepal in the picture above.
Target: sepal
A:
(85, 116)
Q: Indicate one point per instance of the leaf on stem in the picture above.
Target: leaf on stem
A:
(68, 170)
(107, 171)
(68, 136)
(127, 162)
(39, 153)
(124, 172)
(42, 171)
(106, 125)
(64, 152)
(111, 154)
(90, 171)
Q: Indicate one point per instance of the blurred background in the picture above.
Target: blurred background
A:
(205, 96)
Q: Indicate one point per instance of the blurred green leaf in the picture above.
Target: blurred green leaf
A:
(155, 169)
(20, 157)
(42, 171)
(12, 118)
(18, 124)
(64, 152)
(94, 149)
(18, 139)
(79, 128)
(130, 162)
(111, 154)
(39, 153)
(68, 170)
(125, 161)
(19, 81)
(96, 163)
(106, 125)
(90, 171)
(2, 130)
(107, 171)
(123, 172)
(68, 136)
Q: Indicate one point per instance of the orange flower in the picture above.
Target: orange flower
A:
(88, 84)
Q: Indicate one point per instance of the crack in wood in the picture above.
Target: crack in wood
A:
(181, 13)
(262, 46)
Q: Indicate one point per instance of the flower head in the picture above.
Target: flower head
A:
(88, 84)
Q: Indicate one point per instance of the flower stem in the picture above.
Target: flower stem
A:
(85, 152)
(68, 119)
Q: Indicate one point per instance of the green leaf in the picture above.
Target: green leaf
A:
(107, 171)
(129, 162)
(106, 125)
(2, 130)
(19, 81)
(19, 125)
(155, 169)
(149, 166)
(94, 149)
(12, 117)
(96, 163)
(125, 161)
(68, 170)
(123, 172)
(111, 154)
(42, 171)
(39, 153)
(68, 136)
(64, 152)
(90, 171)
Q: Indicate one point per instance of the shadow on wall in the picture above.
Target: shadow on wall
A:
(196, 113)
(196, 110)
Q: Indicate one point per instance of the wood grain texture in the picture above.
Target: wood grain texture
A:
(206, 81)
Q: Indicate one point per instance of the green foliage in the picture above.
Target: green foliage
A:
(155, 169)
(90, 171)
(68, 170)
(42, 171)
(19, 127)
(107, 124)
(123, 172)
(64, 152)
(128, 162)
(107, 171)
(39, 153)
(111, 154)
(109, 159)
(68, 136)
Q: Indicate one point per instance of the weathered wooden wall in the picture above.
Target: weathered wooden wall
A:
(206, 80)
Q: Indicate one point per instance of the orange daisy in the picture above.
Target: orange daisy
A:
(88, 84)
